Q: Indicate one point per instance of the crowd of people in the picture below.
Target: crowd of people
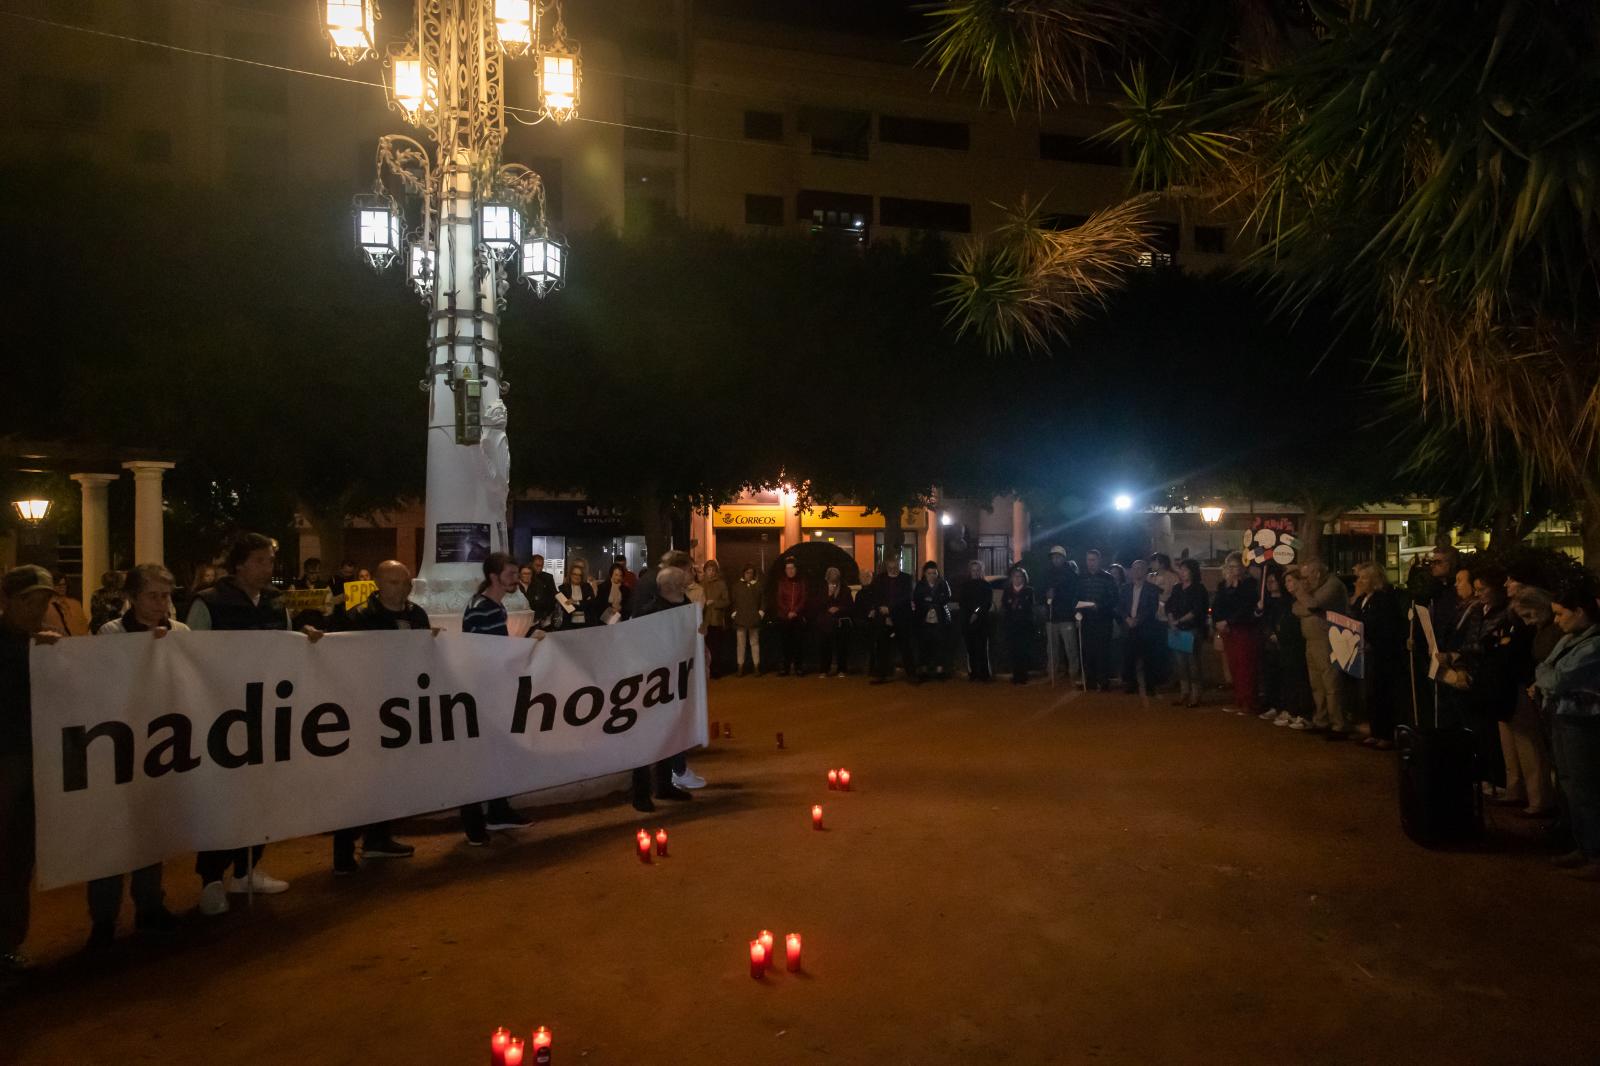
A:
(1518, 664)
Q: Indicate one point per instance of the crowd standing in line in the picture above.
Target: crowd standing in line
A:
(1518, 664)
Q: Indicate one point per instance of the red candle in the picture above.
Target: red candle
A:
(833, 779)
(766, 938)
(498, 1042)
(844, 780)
(661, 843)
(727, 731)
(816, 816)
(643, 841)
(514, 1052)
(791, 945)
(758, 959)
(541, 1046)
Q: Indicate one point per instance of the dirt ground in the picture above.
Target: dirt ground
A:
(1019, 876)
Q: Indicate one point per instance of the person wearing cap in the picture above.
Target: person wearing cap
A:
(1059, 586)
(27, 592)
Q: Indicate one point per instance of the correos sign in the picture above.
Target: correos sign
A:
(749, 517)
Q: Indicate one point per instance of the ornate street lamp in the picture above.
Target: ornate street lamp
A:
(377, 230)
(1211, 514)
(463, 222)
(544, 263)
(32, 511)
(516, 24)
(349, 26)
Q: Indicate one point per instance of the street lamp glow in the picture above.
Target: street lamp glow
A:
(946, 519)
(500, 228)
(1122, 501)
(410, 90)
(544, 263)
(516, 24)
(31, 511)
(348, 24)
(378, 232)
(558, 82)
(1211, 515)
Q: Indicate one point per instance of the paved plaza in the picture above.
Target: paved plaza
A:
(1020, 875)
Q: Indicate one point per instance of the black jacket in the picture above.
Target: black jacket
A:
(541, 593)
(840, 599)
(1016, 607)
(373, 615)
(1383, 624)
(586, 611)
(229, 607)
(1059, 589)
(933, 597)
(16, 716)
(895, 594)
(1149, 601)
(1236, 605)
(976, 602)
(1099, 589)
(1192, 600)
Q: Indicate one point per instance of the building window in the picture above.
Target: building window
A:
(1212, 240)
(837, 132)
(152, 146)
(924, 132)
(1163, 245)
(908, 550)
(925, 214)
(64, 103)
(994, 552)
(549, 170)
(835, 214)
(1070, 148)
(763, 125)
(763, 210)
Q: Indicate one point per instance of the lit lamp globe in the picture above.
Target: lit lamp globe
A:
(377, 230)
(31, 511)
(500, 228)
(413, 90)
(544, 263)
(516, 24)
(348, 25)
(558, 82)
(1211, 515)
(1122, 502)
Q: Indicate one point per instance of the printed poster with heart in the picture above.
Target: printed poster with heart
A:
(1345, 639)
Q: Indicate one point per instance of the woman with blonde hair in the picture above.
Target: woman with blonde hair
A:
(576, 599)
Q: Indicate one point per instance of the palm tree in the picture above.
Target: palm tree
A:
(1435, 161)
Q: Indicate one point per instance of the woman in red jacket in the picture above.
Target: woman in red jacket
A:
(791, 605)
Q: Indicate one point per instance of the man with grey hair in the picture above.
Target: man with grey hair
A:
(672, 775)
(645, 592)
(1318, 593)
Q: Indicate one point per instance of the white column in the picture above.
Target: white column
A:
(96, 527)
(1019, 528)
(467, 484)
(149, 538)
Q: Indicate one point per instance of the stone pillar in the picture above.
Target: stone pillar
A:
(933, 537)
(703, 531)
(791, 521)
(1019, 529)
(96, 528)
(148, 535)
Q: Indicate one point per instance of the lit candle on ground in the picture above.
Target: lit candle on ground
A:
(758, 960)
(767, 940)
(541, 1046)
(498, 1042)
(514, 1052)
(780, 741)
(791, 945)
(661, 843)
(816, 816)
(844, 780)
(833, 779)
(643, 841)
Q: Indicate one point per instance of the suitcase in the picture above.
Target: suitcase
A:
(1439, 799)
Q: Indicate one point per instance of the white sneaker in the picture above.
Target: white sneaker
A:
(258, 882)
(1284, 718)
(689, 780)
(1267, 715)
(213, 900)
(1298, 722)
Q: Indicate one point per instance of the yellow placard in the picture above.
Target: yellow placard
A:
(850, 516)
(357, 593)
(297, 600)
(736, 517)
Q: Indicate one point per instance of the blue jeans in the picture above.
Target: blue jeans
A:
(1576, 742)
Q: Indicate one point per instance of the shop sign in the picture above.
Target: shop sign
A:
(737, 517)
(1366, 527)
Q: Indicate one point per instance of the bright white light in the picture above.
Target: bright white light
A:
(558, 84)
(411, 86)
(378, 230)
(946, 520)
(501, 227)
(544, 263)
(514, 24)
(32, 511)
(349, 25)
(1211, 515)
(1122, 502)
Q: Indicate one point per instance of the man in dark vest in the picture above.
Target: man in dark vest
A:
(390, 608)
(243, 600)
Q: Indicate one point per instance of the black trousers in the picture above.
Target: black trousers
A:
(105, 895)
(16, 849)
(932, 646)
(1139, 648)
(211, 865)
(1095, 630)
(793, 632)
(886, 639)
(833, 650)
(1019, 649)
(976, 637)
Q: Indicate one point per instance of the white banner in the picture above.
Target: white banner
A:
(145, 749)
